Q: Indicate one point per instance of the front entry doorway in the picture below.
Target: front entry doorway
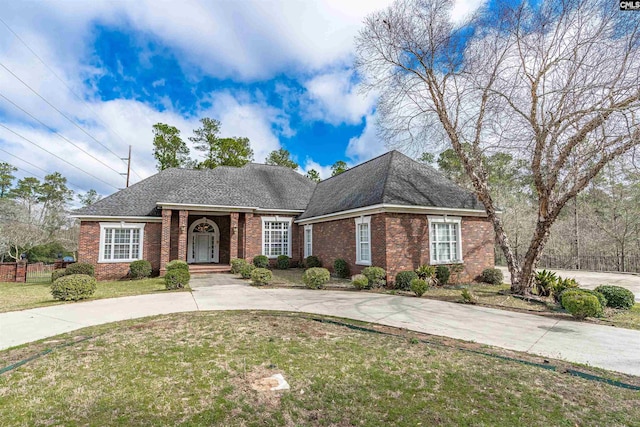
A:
(203, 242)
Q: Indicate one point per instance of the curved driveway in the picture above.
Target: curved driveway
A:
(602, 346)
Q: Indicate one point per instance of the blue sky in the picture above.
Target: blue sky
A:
(278, 72)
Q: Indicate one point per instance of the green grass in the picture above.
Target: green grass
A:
(625, 318)
(20, 296)
(199, 368)
(492, 295)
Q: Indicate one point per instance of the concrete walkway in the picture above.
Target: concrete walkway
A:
(602, 346)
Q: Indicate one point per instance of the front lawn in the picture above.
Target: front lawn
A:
(202, 369)
(20, 296)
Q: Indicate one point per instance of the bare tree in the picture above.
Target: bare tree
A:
(555, 84)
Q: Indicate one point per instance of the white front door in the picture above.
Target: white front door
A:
(202, 248)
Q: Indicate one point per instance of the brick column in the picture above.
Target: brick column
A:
(233, 234)
(165, 243)
(21, 272)
(182, 235)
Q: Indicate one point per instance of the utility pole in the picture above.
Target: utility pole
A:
(128, 159)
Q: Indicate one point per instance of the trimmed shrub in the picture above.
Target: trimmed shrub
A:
(581, 304)
(442, 274)
(617, 296)
(261, 276)
(140, 269)
(56, 274)
(418, 286)
(601, 298)
(177, 278)
(341, 268)
(316, 277)
(360, 281)
(245, 271)
(426, 271)
(561, 285)
(73, 287)
(312, 261)
(283, 262)
(404, 278)
(468, 297)
(492, 275)
(237, 264)
(261, 261)
(80, 268)
(375, 275)
(177, 264)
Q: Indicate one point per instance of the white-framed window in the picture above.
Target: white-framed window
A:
(276, 236)
(445, 236)
(363, 240)
(308, 240)
(121, 242)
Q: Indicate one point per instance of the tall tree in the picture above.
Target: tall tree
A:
(281, 157)
(168, 148)
(6, 178)
(313, 175)
(552, 83)
(53, 196)
(338, 167)
(234, 151)
(89, 198)
(27, 193)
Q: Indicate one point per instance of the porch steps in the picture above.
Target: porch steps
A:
(197, 269)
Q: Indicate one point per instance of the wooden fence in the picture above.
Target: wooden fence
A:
(627, 264)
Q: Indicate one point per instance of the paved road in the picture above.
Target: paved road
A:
(603, 346)
(592, 279)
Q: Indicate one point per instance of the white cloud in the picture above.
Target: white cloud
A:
(333, 97)
(462, 9)
(368, 145)
(324, 171)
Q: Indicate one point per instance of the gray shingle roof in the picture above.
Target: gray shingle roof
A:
(254, 185)
(392, 178)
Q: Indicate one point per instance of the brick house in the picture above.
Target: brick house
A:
(390, 212)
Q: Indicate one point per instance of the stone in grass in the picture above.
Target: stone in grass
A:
(275, 382)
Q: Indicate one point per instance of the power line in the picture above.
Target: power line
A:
(58, 157)
(37, 167)
(57, 133)
(55, 108)
(69, 88)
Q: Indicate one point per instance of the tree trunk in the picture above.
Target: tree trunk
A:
(523, 283)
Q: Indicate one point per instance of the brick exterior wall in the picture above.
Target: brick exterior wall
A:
(89, 247)
(251, 244)
(337, 239)
(401, 242)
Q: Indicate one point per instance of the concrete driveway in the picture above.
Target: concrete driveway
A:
(602, 346)
(592, 279)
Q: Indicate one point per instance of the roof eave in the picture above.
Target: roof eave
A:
(392, 208)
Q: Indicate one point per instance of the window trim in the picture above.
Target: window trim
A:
(288, 220)
(308, 253)
(121, 225)
(445, 220)
(358, 221)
